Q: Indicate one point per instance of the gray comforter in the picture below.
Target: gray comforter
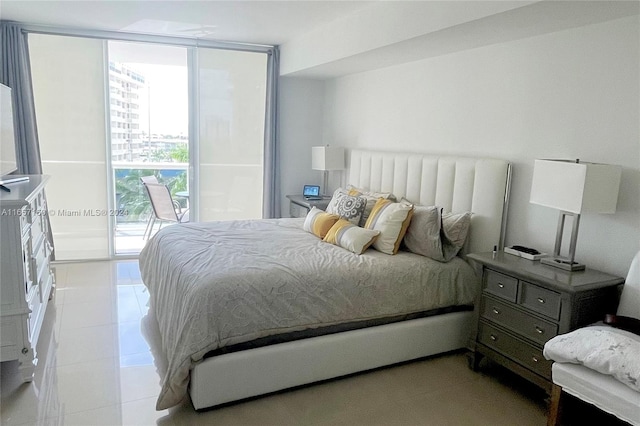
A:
(222, 283)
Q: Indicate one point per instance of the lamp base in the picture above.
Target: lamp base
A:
(562, 263)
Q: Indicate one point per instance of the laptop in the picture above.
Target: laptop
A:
(311, 192)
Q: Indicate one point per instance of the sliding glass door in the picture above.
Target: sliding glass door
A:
(68, 83)
(149, 133)
(111, 112)
(231, 94)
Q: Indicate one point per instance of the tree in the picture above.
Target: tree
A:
(180, 153)
(130, 195)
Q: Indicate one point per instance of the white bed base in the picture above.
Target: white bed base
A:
(244, 374)
(457, 184)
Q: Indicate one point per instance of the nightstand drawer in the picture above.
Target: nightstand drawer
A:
(540, 300)
(511, 347)
(501, 285)
(520, 322)
(296, 210)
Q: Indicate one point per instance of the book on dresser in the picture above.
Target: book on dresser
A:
(26, 278)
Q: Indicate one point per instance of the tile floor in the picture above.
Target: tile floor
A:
(96, 368)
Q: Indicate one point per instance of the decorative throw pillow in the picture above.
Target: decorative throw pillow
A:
(347, 206)
(604, 349)
(371, 196)
(334, 198)
(318, 222)
(423, 233)
(351, 237)
(392, 220)
(455, 229)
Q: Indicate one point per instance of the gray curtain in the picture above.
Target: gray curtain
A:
(271, 193)
(15, 72)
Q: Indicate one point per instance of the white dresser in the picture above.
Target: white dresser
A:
(26, 278)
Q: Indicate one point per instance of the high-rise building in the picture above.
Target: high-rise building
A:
(125, 86)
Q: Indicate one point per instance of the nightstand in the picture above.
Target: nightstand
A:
(299, 206)
(523, 304)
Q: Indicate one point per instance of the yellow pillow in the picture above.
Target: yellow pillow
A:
(392, 220)
(371, 197)
(318, 222)
(351, 237)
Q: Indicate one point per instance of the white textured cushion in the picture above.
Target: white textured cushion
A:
(319, 222)
(605, 349)
(347, 206)
(351, 237)
(392, 220)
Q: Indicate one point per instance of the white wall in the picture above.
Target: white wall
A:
(569, 94)
(299, 128)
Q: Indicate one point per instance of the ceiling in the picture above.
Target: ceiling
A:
(328, 38)
(257, 22)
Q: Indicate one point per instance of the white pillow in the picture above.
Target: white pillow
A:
(392, 220)
(318, 222)
(351, 237)
(604, 349)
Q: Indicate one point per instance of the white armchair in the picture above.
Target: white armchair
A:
(579, 354)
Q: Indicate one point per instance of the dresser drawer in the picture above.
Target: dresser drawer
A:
(511, 347)
(501, 285)
(522, 323)
(38, 257)
(25, 219)
(36, 228)
(11, 343)
(540, 300)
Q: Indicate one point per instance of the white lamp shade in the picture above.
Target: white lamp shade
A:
(327, 158)
(576, 187)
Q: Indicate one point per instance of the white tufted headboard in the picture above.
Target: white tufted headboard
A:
(457, 184)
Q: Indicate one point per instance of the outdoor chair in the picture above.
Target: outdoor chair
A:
(165, 208)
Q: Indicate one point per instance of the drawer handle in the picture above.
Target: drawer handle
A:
(541, 300)
(539, 330)
(500, 285)
(495, 311)
(492, 337)
(534, 358)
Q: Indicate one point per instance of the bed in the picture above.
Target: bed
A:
(246, 308)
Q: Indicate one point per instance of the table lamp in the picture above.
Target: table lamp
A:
(327, 158)
(573, 187)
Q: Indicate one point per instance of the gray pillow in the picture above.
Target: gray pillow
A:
(423, 234)
(455, 230)
(347, 206)
(437, 235)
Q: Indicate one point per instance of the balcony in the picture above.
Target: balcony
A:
(132, 202)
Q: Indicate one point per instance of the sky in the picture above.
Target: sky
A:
(168, 86)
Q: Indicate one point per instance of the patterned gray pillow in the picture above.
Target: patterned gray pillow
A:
(347, 206)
